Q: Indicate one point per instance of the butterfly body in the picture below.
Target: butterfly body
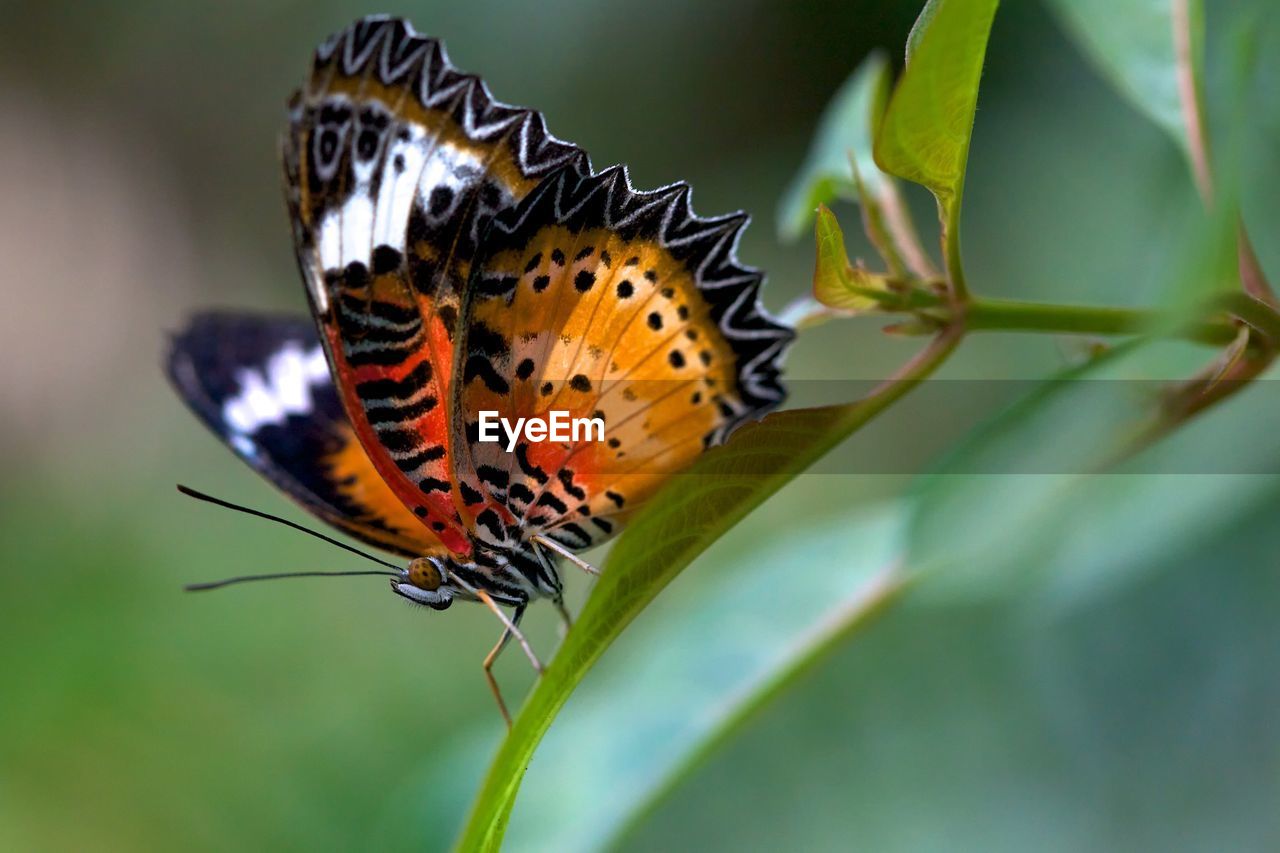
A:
(458, 260)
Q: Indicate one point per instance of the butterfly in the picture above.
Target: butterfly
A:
(460, 261)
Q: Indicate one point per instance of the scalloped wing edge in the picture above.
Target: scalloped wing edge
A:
(403, 53)
(706, 245)
(710, 245)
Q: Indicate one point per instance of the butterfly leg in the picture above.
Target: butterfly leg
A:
(567, 554)
(511, 628)
(508, 631)
(566, 621)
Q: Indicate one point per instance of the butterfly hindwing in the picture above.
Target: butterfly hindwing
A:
(263, 385)
(395, 165)
(596, 300)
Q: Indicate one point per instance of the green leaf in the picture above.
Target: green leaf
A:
(1135, 45)
(1050, 495)
(688, 676)
(836, 282)
(843, 135)
(924, 136)
(1132, 44)
(999, 727)
(681, 521)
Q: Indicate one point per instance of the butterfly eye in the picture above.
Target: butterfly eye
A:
(425, 574)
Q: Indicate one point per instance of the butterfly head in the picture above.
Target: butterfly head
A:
(425, 581)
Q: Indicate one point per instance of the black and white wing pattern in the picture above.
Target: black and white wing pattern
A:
(263, 385)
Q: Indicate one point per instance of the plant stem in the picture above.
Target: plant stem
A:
(902, 230)
(983, 314)
(951, 245)
(1255, 313)
(1252, 278)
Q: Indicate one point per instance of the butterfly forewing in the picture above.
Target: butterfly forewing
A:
(396, 164)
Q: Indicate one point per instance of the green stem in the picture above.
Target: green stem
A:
(983, 314)
(1254, 312)
(951, 245)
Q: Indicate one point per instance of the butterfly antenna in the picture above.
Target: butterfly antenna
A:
(201, 587)
(201, 496)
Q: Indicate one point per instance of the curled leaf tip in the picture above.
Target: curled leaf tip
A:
(837, 283)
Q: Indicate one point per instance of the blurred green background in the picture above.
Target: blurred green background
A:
(137, 160)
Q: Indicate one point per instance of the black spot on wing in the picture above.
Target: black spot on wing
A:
(412, 463)
(489, 521)
(499, 286)
(398, 440)
(381, 389)
(480, 367)
(485, 346)
(565, 476)
(491, 476)
(549, 500)
(530, 470)
(581, 538)
(520, 492)
(385, 260)
(469, 495)
(382, 414)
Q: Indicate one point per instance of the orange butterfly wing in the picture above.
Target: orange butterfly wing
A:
(602, 302)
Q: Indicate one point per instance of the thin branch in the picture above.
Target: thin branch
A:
(1252, 278)
(903, 231)
(873, 222)
(1013, 316)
